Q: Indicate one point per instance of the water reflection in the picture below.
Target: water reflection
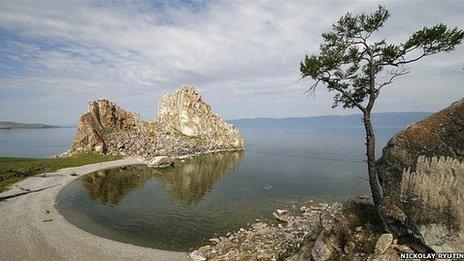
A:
(187, 182)
(111, 185)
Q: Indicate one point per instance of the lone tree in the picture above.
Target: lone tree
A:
(357, 67)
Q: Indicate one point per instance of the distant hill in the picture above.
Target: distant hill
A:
(18, 125)
(387, 119)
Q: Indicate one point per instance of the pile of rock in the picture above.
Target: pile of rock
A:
(319, 232)
(263, 241)
(184, 125)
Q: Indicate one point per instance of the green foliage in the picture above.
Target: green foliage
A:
(13, 170)
(350, 62)
(435, 39)
(369, 245)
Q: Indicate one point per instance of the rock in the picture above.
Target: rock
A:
(184, 125)
(215, 240)
(428, 154)
(204, 248)
(295, 257)
(259, 225)
(185, 113)
(282, 215)
(321, 251)
(383, 243)
(404, 249)
(317, 208)
(389, 255)
(160, 162)
(349, 247)
(197, 256)
(305, 251)
(303, 209)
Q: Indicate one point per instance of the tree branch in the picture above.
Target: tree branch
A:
(312, 89)
(397, 74)
(348, 96)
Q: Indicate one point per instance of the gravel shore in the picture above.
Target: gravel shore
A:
(32, 229)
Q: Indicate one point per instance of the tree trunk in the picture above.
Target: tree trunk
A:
(370, 154)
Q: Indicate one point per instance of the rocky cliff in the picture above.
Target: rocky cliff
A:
(422, 175)
(184, 125)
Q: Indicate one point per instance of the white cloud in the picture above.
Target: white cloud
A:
(241, 55)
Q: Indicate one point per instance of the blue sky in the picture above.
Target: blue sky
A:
(242, 56)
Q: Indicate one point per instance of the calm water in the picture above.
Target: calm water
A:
(35, 142)
(182, 207)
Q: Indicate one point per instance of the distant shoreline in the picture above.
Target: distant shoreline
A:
(10, 125)
(382, 119)
(34, 128)
(16, 128)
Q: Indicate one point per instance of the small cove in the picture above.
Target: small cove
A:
(203, 197)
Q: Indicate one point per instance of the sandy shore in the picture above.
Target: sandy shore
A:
(32, 229)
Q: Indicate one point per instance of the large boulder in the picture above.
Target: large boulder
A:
(184, 125)
(422, 175)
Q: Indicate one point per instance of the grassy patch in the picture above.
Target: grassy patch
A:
(13, 169)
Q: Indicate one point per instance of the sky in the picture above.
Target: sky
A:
(243, 57)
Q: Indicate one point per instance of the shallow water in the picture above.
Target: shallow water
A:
(182, 207)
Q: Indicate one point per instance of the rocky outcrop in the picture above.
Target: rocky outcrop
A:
(187, 125)
(183, 125)
(338, 231)
(104, 120)
(422, 175)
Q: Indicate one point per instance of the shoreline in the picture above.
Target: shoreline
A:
(32, 228)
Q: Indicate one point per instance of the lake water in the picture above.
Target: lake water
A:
(35, 142)
(182, 207)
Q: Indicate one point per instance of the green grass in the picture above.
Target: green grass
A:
(14, 169)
